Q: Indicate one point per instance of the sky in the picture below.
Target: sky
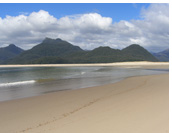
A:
(89, 26)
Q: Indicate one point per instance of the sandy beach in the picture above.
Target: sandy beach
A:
(134, 105)
(143, 64)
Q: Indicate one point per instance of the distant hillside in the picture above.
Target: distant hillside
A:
(9, 52)
(163, 55)
(136, 52)
(106, 55)
(48, 48)
(55, 51)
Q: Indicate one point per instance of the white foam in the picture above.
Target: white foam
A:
(17, 83)
(83, 73)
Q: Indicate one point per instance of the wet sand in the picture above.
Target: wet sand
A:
(134, 105)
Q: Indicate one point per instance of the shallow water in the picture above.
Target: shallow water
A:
(32, 81)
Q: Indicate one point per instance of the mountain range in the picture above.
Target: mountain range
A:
(162, 56)
(57, 51)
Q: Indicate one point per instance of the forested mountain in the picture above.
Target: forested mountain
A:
(106, 55)
(136, 52)
(9, 52)
(52, 51)
(53, 48)
(163, 55)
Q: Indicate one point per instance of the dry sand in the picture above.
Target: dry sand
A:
(144, 64)
(134, 105)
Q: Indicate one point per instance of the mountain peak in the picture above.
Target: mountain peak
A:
(134, 45)
(50, 40)
(137, 51)
(47, 40)
(12, 45)
(9, 52)
(14, 49)
(58, 39)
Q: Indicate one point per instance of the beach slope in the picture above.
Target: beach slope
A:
(134, 105)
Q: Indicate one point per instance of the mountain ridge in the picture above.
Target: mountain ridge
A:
(9, 52)
(52, 51)
(162, 56)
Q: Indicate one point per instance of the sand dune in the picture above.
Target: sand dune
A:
(134, 105)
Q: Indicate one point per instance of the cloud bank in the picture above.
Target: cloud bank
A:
(89, 30)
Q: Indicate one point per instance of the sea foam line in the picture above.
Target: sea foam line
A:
(17, 83)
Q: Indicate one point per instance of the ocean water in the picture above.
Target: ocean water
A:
(20, 82)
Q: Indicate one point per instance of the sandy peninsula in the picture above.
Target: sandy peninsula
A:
(117, 64)
(134, 105)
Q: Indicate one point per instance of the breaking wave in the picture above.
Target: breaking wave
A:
(17, 83)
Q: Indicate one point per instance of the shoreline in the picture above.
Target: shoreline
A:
(140, 104)
(117, 64)
(7, 95)
(56, 91)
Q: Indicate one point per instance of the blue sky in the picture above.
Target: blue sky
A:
(86, 25)
(117, 11)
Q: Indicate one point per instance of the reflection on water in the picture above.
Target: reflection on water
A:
(32, 81)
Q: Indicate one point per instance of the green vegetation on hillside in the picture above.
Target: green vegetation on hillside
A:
(9, 52)
(57, 51)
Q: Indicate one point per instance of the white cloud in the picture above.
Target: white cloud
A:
(89, 30)
(155, 26)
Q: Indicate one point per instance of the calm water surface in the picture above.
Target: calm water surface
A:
(32, 81)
